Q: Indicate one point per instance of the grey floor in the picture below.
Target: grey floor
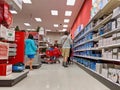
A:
(56, 77)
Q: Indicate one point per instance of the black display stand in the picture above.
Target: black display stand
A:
(12, 79)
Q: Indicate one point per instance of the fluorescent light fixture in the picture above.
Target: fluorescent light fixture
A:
(13, 11)
(65, 26)
(66, 20)
(26, 24)
(70, 2)
(55, 25)
(54, 12)
(38, 19)
(68, 13)
(27, 1)
(64, 30)
(48, 30)
(31, 29)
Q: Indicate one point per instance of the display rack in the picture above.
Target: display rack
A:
(97, 45)
(12, 79)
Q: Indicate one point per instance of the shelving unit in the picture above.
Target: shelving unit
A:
(97, 44)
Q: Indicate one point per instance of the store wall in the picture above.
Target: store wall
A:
(54, 36)
(83, 16)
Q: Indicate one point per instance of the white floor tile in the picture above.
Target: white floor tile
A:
(56, 77)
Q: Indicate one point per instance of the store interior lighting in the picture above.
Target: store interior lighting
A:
(55, 25)
(70, 2)
(65, 26)
(27, 1)
(13, 11)
(54, 12)
(38, 19)
(26, 24)
(68, 13)
(66, 20)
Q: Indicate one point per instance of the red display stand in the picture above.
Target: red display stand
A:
(5, 69)
(19, 39)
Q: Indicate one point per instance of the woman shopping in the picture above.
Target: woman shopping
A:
(30, 50)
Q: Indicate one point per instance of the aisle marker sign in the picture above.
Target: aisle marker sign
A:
(4, 50)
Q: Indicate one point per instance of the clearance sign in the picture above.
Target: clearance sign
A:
(4, 50)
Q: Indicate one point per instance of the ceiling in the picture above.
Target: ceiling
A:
(42, 9)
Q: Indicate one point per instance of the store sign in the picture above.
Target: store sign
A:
(11, 35)
(4, 50)
(3, 32)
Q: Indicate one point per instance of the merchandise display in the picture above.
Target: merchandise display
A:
(97, 45)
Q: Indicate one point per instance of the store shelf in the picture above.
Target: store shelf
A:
(42, 41)
(98, 58)
(12, 79)
(96, 27)
(109, 83)
(112, 4)
(89, 57)
(110, 46)
(87, 49)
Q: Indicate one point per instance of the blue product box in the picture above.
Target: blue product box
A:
(93, 65)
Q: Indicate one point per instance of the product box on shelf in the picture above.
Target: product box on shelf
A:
(116, 12)
(99, 67)
(114, 24)
(114, 75)
(118, 22)
(104, 72)
(5, 69)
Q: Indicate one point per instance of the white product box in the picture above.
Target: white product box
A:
(105, 72)
(118, 40)
(99, 67)
(118, 34)
(118, 22)
(115, 50)
(113, 25)
(118, 55)
(114, 35)
(115, 56)
(116, 12)
(113, 74)
(109, 55)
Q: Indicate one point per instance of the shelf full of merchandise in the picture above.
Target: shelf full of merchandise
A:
(97, 45)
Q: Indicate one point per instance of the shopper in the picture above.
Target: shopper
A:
(30, 50)
(66, 42)
(56, 43)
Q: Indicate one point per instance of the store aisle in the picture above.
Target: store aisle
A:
(56, 77)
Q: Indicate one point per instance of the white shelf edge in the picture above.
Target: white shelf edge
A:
(98, 58)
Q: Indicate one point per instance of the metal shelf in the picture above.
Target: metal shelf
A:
(96, 27)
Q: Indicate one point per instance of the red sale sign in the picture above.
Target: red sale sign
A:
(4, 50)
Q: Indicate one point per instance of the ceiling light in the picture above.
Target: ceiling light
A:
(54, 12)
(48, 30)
(13, 11)
(66, 20)
(64, 30)
(68, 13)
(65, 25)
(26, 24)
(70, 2)
(27, 1)
(38, 19)
(55, 25)
(31, 29)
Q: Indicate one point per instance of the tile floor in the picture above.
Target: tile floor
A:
(56, 77)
